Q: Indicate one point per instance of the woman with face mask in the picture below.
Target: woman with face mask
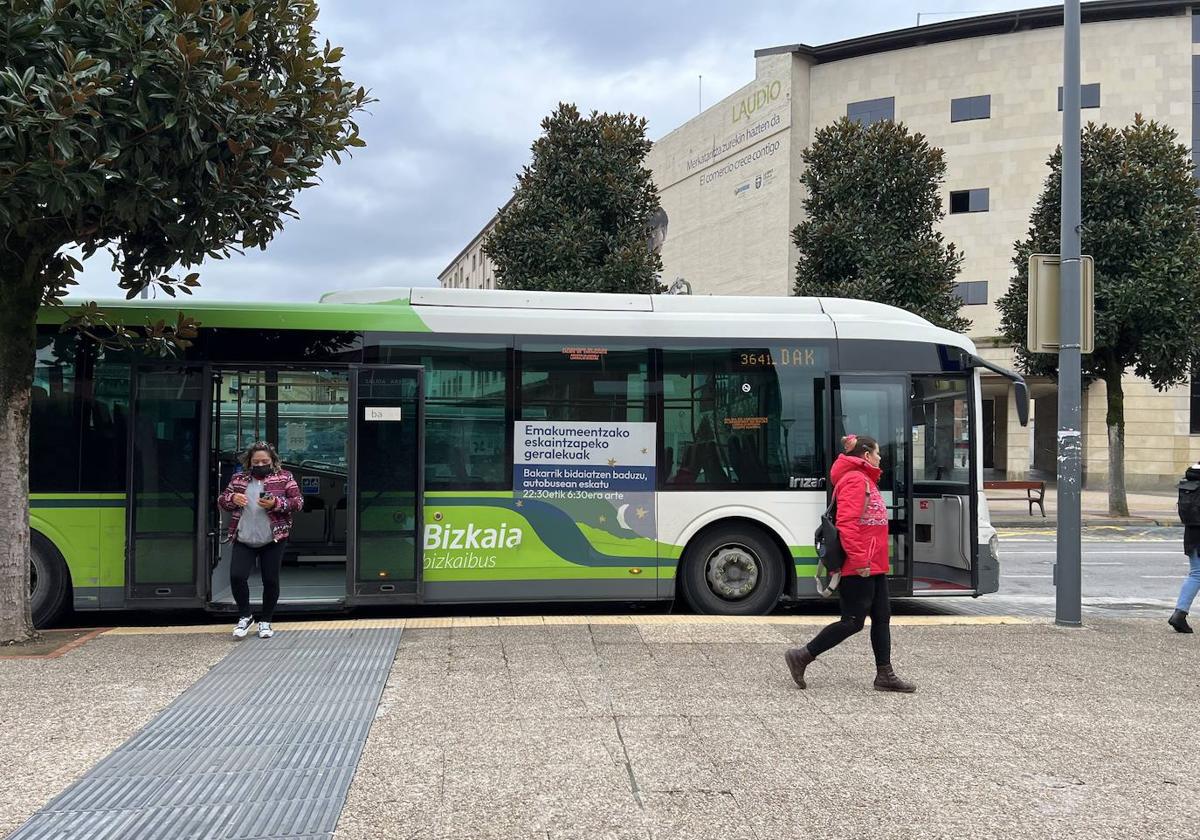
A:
(262, 498)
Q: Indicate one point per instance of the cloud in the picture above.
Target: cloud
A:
(462, 89)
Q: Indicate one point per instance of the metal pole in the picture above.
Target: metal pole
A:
(1068, 610)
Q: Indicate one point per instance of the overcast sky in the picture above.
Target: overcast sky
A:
(462, 87)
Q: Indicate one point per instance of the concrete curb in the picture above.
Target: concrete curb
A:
(456, 622)
(1089, 522)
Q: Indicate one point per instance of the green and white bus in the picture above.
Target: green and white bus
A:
(486, 446)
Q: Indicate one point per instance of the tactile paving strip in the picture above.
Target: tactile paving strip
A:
(263, 746)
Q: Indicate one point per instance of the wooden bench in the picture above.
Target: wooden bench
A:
(1030, 487)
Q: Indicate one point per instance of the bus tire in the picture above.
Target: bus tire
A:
(732, 570)
(49, 581)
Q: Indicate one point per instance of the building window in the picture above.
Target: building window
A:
(1195, 101)
(1196, 24)
(871, 111)
(972, 293)
(1089, 96)
(1194, 404)
(971, 108)
(969, 201)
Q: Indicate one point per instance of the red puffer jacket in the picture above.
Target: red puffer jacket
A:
(862, 519)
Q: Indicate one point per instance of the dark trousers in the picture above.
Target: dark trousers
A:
(270, 559)
(860, 597)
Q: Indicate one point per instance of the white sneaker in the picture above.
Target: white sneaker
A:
(243, 627)
(264, 630)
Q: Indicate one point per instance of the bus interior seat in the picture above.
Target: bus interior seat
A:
(745, 461)
(310, 525)
(708, 463)
(686, 473)
(457, 460)
(339, 521)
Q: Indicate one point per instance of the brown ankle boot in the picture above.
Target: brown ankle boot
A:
(1178, 620)
(797, 660)
(886, 680)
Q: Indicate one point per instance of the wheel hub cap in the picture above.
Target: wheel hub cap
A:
(732, 572)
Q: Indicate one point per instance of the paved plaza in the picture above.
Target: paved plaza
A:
(684, 726)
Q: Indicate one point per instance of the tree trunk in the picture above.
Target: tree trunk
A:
(19, 299)
(1115, 421)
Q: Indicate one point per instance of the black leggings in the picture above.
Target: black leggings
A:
(860, 597)
(270, 558)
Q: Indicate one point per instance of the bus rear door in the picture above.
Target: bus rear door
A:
(878, 406)
(386, 484)
(945, 517)
(166, 557)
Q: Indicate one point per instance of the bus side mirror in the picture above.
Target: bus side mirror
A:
(1020, 389)
(1021, 393)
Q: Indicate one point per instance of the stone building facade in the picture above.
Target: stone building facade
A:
(985, 89)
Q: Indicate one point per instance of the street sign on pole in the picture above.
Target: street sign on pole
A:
(1045, 303)
(1068, 606)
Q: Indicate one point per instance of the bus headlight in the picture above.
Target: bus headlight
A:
(994, 549)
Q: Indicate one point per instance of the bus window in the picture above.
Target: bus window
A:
(304, 413)
(54, 417)
(583, 381)
(940, 438)
(743, 417)
(466, 413)
(105, 401)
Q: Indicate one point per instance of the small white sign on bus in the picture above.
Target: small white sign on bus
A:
(383, 412)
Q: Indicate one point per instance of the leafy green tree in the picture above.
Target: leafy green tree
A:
(873, 203)
(1140, 214)
(161, 131)
(580, 216)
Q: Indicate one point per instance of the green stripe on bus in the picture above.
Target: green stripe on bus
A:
(400, 318)
(76, 502)
(580, 573)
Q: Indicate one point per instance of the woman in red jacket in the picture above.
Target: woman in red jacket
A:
(262, 498)
(862, 524)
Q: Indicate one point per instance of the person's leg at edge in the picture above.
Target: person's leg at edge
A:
(240, 565)
(270, 561)
(881, 639)
(241, 562)
(1187, 595)
(854, 599)
(881, 622)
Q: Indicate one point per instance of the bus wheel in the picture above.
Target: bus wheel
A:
(48, 582)
(733, 570)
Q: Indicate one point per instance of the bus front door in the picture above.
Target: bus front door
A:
(878, 406)
(386, 485)
(166, 557)
(945, 517)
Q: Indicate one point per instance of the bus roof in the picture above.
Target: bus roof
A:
(666, 315)
(498, 312)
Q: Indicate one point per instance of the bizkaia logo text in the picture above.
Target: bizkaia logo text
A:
(448, 547)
